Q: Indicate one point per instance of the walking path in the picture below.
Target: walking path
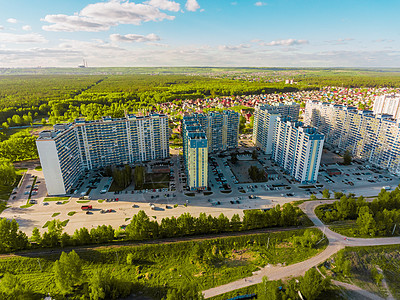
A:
(336, 243)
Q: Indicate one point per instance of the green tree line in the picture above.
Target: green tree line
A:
(376, 218)
(142, 228)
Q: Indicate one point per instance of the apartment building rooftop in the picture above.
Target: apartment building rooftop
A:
(62, 127)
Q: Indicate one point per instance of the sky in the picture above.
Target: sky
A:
(235, 33)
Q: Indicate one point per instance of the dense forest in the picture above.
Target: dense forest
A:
(65, 97)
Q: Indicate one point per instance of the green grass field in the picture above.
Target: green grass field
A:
(156, 181)
(363, 260)
(205, 263)
(48, 199)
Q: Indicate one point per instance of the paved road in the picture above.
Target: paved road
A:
(336, 243)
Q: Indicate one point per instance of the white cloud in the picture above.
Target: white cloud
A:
(165, 5)
(259, 3)
(134, 38)
(75, 23)
(234, 3)
(288, 42)
(233, 48)
(12, 20)
(192, 5)
(340, 41)
(21, 38)
(27, 28)
(101, 16)
(98, 53)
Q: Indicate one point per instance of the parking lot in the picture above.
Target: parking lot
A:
(161, 203)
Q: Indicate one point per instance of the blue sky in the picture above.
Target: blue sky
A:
(287, 33)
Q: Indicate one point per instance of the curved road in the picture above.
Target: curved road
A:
(336, 243)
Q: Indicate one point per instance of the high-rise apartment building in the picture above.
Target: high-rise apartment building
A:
(69, 149)
(374, 138)
(297, 149)
(387, 105)
(203, 134)
(195, 153)
(265, 116)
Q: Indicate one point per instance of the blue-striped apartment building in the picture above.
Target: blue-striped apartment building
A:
(70, 149)
(203, 134)
(371, 137)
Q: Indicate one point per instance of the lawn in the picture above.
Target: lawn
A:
(154, 268)
(82, 201)
(5, 190)
(55, 214)
(38, 168)
(363, 260)
(156, 181)
(20, 171)
(55, 199)
(240, 170)
(71, 213)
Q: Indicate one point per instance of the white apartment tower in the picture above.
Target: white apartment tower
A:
(69, 149)
(297, 149)
(265, 116)
(387, 105)
(370, 137)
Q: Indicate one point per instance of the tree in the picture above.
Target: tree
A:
(185, 292)
(313, 197)
(326, 194)
(337, 195)
(256, 174)
(51, 238)
(242, 124)
(288, 215)
(11, 238)
(254, 155)
(12, 287)
(234, 158)
(67, 271)
(235, 222)
(7, 172)
(347, 158)
(365, 222)
(270, 290)
(82, 236)
(139, 177)
(141, 227)
(103, 285)
(36, 237)
(312, 284)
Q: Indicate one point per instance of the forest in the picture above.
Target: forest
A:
(376, 218)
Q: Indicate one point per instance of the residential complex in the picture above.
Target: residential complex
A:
(265, 116)
(368, 136)
(203, 134)
(69, 149)
(388, 105)
(297, 149)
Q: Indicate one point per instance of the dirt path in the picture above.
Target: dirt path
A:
(385, 285)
